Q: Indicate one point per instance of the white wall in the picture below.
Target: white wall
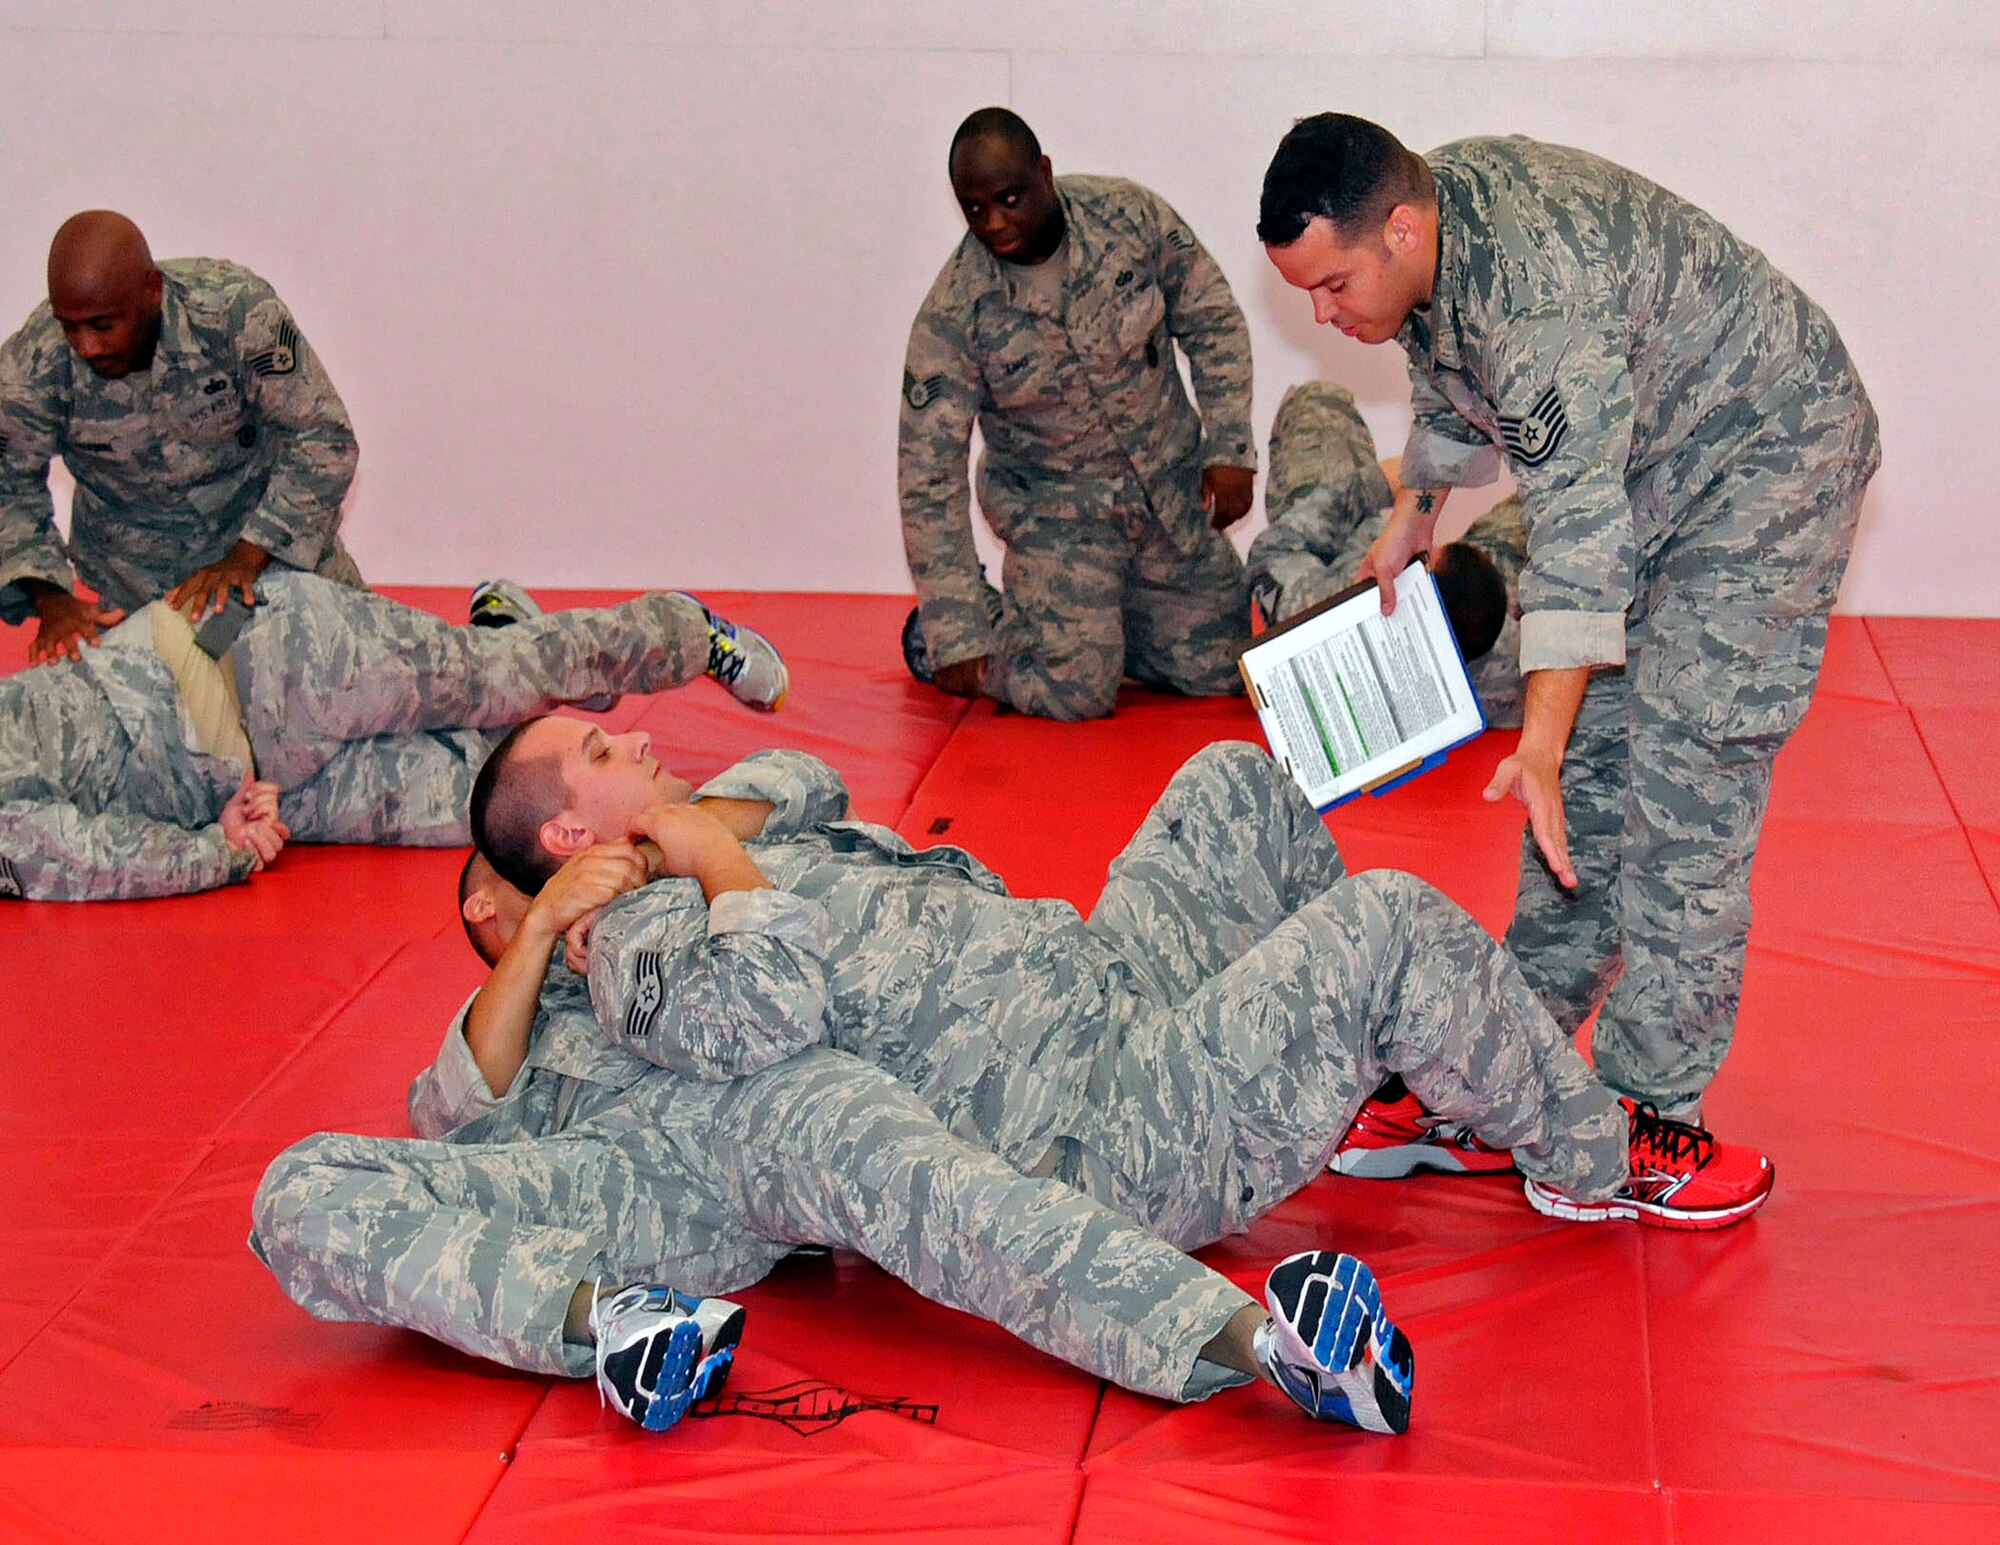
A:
(617, 292)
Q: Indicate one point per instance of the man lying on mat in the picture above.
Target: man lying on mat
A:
(165, 761)
(811, 1034)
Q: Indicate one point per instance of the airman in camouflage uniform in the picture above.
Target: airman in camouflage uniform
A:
(1328, 498)
(371, 717)
(230, 433)
(1096, 469)
(979, 1092)
(1691, 443)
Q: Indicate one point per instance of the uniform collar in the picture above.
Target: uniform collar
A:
(1433, 333)
(993, 273)
(177, 340)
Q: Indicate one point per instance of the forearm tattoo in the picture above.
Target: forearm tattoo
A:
(1427, 502)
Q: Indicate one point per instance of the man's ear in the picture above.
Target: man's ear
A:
(478, 907)
(1400, 233)
(565, 838)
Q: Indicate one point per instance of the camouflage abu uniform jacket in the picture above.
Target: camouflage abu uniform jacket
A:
(1090, 395)
(235, 432)
(1621, 348)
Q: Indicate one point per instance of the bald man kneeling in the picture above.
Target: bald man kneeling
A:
(205, 439)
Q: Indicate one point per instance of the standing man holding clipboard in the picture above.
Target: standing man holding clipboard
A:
(1691, 443)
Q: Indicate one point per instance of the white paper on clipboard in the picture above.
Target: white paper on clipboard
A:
(1350, 699)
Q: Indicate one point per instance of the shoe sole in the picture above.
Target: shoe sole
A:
(1339, 1315)
(1407, 1158)
(1554, 1204)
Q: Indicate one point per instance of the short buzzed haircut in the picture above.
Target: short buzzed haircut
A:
(511, 798)
(999, 123)
(1474, 597)
(1345, 170)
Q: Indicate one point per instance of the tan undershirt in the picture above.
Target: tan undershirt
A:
(207, 686)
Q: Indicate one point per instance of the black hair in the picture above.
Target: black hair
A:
(511, 798)
(1346, 170)
(999, 123)
(1474, 596)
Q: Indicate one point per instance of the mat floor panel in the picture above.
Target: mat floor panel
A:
(1280, 1504)
(354, 1074)
(1527, 1367)
(1842, 1344)
(1936, 662)
(1801, 1518)
(66, 1205)
(1846, 754)
(181, 1340)
(1852, 666)
(1964, 745)
(640, 1491)
(1877, 898)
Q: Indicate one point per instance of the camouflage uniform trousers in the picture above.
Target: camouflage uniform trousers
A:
(1668, 772)
(706, 1186)
(372, 716)
(1095, 591)
(1269, 992)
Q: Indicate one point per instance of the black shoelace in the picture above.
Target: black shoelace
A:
(725, 663)
(1671, 1139)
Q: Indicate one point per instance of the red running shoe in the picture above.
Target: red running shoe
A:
(1682, 1178)
(1394, 1138)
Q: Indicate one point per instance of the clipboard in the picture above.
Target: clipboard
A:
(1352, 702)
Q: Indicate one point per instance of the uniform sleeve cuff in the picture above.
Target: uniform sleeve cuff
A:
(1431, 460)
(778, 914)
(1560, 641)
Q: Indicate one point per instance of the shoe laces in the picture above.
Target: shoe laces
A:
(725, 660)
(1668, 1138)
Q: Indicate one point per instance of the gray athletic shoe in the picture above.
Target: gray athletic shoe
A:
(745, 662)
(498, 603)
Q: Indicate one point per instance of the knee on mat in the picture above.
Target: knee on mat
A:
(294, 1181)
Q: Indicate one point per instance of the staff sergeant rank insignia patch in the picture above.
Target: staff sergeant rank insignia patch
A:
(282, 358)
(1534, 436)
(646, 995)
(921, 394)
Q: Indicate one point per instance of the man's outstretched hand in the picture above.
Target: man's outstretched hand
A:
(250, 822)
(68, 623)
(206, 590)
(1536, 781)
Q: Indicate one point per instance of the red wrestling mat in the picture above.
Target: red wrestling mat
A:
(1821, 1373)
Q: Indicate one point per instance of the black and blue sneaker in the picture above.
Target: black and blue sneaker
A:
(659, 1351)
(917, 653)
(1329, 1346)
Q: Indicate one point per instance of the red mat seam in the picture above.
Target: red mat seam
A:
(319, 1028)
(1964, 827)
(204, 1151)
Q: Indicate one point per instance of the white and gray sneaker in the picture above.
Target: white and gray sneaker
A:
(500, 603)
(659, 1351)
(1330, 1347)
(745, 662)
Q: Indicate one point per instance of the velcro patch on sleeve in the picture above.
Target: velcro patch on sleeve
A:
(1533, 437)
